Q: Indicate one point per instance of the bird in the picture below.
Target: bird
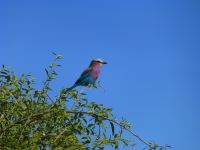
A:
(89, 75)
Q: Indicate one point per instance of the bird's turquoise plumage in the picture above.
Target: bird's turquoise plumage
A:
(86, 78)
(90, 75)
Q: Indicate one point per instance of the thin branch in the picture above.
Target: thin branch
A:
(30, 118)
(114, 121)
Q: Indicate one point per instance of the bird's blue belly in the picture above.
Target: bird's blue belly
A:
(87, 81)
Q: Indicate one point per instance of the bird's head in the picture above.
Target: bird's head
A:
(97, 62)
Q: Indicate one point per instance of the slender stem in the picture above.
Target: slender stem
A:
(114, 121)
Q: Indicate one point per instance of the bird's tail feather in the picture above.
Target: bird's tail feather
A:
(72, 87)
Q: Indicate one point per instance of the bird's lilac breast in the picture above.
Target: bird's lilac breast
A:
(95, 73)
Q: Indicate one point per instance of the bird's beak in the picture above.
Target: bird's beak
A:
(104, 62)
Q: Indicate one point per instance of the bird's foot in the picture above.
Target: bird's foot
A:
(98, 85)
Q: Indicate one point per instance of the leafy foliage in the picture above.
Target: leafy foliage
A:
(32, 119)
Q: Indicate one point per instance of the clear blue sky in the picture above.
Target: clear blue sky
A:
(152, 47)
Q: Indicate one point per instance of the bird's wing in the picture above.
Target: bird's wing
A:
(86, 71)
(84, 75)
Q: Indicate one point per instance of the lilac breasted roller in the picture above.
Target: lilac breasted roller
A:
(89, 75)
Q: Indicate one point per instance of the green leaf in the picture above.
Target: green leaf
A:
(113, 128)
(47, 72)
(7, 78)
(90, 125)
